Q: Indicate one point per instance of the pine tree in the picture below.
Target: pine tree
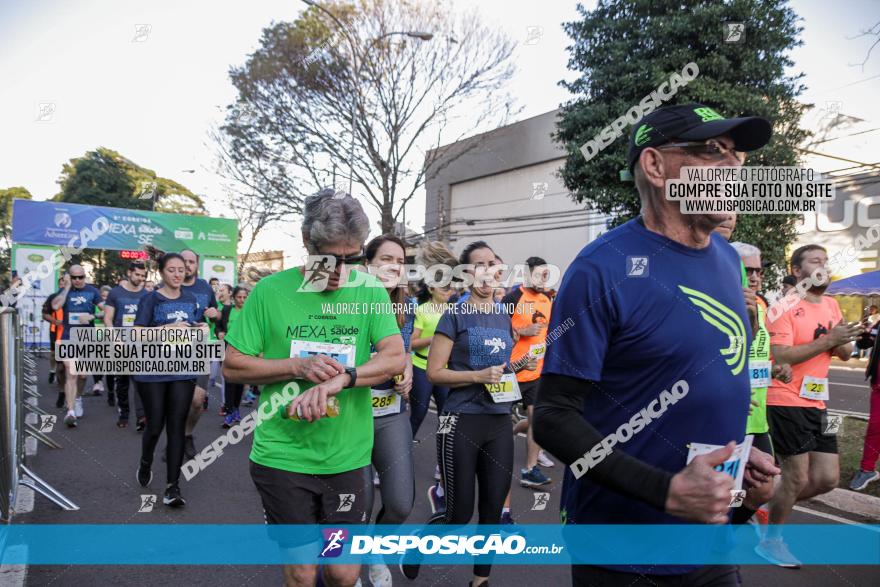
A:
(624, 49)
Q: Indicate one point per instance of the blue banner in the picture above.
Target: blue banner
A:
(98, 227)
(177, 544)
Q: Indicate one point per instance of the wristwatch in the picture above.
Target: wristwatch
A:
(352, 372)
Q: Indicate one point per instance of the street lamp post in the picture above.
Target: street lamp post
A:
(356, 69)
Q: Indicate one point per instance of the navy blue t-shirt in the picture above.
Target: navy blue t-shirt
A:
(157, 310)
(637, 312)
(479, 340)
(125, 303)
(203, 293)
(406, 332)
(79, 301)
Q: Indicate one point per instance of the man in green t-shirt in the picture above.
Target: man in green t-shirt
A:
(309, 463)
(761, 372)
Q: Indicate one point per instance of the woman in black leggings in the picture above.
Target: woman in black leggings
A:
(470, 354)
(166, 398)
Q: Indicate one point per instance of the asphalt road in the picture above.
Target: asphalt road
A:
(96, 466)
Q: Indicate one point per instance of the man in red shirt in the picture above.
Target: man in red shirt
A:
(806, 336)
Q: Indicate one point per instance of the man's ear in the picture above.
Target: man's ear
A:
(653, 167)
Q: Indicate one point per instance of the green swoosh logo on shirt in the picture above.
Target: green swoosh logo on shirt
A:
(725, 320)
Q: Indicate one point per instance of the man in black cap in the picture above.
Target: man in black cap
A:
(657, 359)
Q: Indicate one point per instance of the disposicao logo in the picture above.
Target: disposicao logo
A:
(333, 542)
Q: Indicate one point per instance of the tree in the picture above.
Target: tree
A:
(625, 48)
(350, 81)
(103, 177)
(6, 197)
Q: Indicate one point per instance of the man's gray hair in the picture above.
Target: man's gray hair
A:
(331, 217)
(746, 250)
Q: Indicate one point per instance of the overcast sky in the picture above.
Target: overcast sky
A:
(152, 91)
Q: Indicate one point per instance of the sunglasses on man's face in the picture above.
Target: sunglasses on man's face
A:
(759, 271)
(345, 259)
(77, 276)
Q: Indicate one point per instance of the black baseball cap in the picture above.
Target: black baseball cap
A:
(695, 122)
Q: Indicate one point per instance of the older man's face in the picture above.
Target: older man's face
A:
(675, 158)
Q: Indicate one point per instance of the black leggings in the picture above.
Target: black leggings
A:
(477, 449)
(232, 396)
(166, 403)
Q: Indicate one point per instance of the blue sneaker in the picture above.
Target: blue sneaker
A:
(236, 416)
(533, 477)
(438, 502)
(229, 420)
(248, 399)
(861, 479)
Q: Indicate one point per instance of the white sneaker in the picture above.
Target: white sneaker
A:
(544, 460)
(380, 576)
(776, 551)
(98, 387)
(78, 407)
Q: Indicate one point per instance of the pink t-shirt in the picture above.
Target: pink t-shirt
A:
(802, 324)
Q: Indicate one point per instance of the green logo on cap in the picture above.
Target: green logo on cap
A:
(642, 135)
(219, 268)
(35, 257)
(707, 114)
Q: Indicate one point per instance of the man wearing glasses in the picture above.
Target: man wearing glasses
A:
(311, 463)
(78, 300)
(656, 303)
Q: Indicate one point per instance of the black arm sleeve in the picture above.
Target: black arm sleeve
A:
(560, 428)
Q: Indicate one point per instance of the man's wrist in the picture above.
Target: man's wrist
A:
(295, 368)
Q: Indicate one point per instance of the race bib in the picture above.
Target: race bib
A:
(735, 466)
(303, 349)
(385, 401)
(814, 388)
(128, 319)
(538, 350)
(78, 317)
(506, 390)
(759, 373)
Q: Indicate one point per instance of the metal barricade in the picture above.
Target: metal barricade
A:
(18, 395)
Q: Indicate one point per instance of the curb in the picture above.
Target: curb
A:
(851, 501)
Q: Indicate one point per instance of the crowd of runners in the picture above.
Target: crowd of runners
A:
(661, 302)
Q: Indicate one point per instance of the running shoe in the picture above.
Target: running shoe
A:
(506, 519)
(229, 420)
(438, 502)
(122, 423)
(437, 473)
(111, 399)
(861, 479)
(144, 473)
(248, 399)
(533, 477)
(52, 377)
(236, 415)
(98, 388)
(59, 403)
(141, 424)
(78, 407)
(70, 420)
(380, 576)
(776, 551)
(544, 460)
(172, 497)
(189, 447)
